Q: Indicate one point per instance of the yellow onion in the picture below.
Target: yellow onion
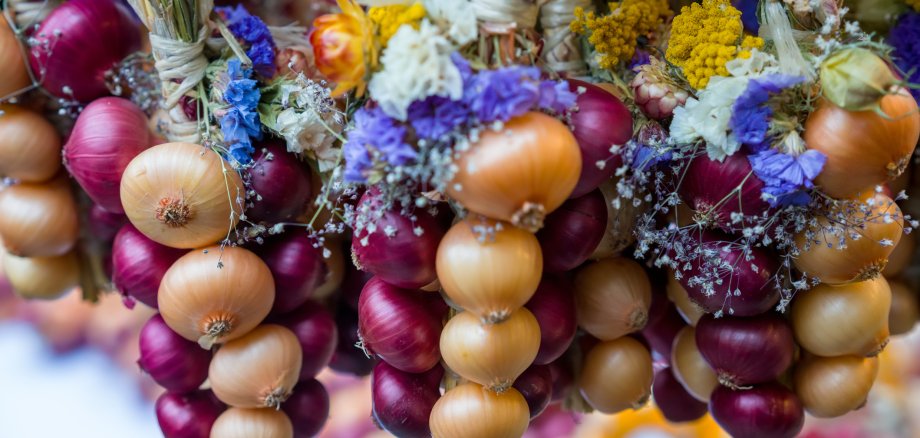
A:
(38, 220)
(30, 147)
(520, 173)
(489, 268)
(900, 256)
(617, 375)
(842, 320)
(13, 75)
(252, 423)
(44, 278)
(182, 195)
(612, 298)
(690, 368)
(492, 355)
(832, 386)
(216, 294)
(621, 221)
(690, 311)
(861, 259)
(469, 410)
(335, 271)
(905, 310)
(258, 370)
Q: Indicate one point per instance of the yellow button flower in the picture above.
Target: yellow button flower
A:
(344, 48)
(390, 18)
(614, 36)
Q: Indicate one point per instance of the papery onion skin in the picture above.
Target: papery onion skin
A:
(44, 278)
(617, 375)
(536, 385)
(746, 351)
(492, 355)
(905, 309)
(489, 268)
(13, 76)
(612, 298)
(572, 232)
(30, 146)
(469, 410)
(708, 187)
(851, 319)
(600, 122)
(211, 303)
(518, 174)
(674, 402)
(348, 358)
(178, 195)
(901, 256)
(307, 408)
(108, 134)
(38, 220)
(172, 361)
(257, 370)
(139, 264)
(281, 182)
(188, 415)
(765, 411)
(622, 220)
(401, 326)
(251, 423)
(316, 330)
(298, 268)
(664, 322)
(690, 368)
(554, 307)
(689, 310)
(60, 55)
(402, 401)
(832, 386)
(103, 224)
(335, 272)
(562, 379)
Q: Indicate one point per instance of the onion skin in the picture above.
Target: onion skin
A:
(401, 326)
(108, 134)
(562, 379)
(316, 330)
(29, 145)
(70, 29)
(103, 224)
(765, 411)
(352, 284)
(612, 298)
(38, 220)
(832, 386)
(901, 256)
(14, 75)
(600, 122)
(536, 385)
(297, 267)
(172, 361)
(519, 174)
(689, 311)
(554, 307)
(690, 368)
(881, 152)
(307, 408)
(617, 375)
(251, 423)
(282, 183)
(746, 351)
(708, 182)
(621, 222)
(674, 402)
(469, 410)
(572, 233)
(139, 264)
(43, 278)
(905, 310)
(189, 415)
(348, 358)
(402, 401)
(664, 322)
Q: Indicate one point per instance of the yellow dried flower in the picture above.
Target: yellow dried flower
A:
(389, 19)
(614, 36)
(705, 37)
(914, 4)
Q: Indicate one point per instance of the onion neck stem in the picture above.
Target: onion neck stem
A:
(213, 333)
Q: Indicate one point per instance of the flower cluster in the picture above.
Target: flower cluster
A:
(252, 30)
(389, 19)
(751, 115)
(704, 38)
(615, 35)
(239, 121)
(905, 38)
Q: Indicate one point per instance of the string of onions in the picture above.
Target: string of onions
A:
(612, 298)
(30, 147)
(38, 220)
(617, 375)
(471, 410)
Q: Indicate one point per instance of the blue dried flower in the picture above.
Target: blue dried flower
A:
(751, 115)
(905, 38)
(254, 32)
(378, 135)
(784, 176)
(240, 122)
(436, 116)
(505, 93)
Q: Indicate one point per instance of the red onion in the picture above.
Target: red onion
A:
(554, 307)
(347, 357)
(354, 281)
(281, 183)
(78, 43)
(708, 183)
(756, 291)
(138, 264)
(401, 326)
(172, 361)
(395, 252)
(764, 411)
(317, 333)
(600, 122)
(746, 351)
(108, 134)
(562, 379)
(674, 402)
(187, 415)
(308, 408)
(536, 385)
(104, 224)
(297, 266)
(402, 401)
(572, 232)
(664, 322)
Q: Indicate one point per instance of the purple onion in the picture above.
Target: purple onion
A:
(139, 264)
(562, 379)
(664, 322)
(307, 407)
(553, 304)
(348, 358)
(297, 267)
(402, 401)
(707, 186)
(172, 361)
(536, 385)
(188, 415)
(674, 402)
(281, 182)
(316, 330)
(765, 411)
(352, 284)
(103, 224)
(572, 232)
(746, 351)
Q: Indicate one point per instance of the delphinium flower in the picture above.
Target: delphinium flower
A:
(255, 33)
(786, 177)
(239, 121)
(905, 38)
(751, 113)
(615, 35)
(375, 136)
